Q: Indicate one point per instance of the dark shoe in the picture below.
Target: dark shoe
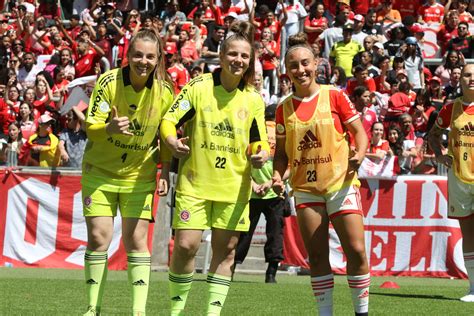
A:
(270, 278)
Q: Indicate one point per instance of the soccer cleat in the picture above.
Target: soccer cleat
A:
(469, 298)
(92, 311)
(270, 278)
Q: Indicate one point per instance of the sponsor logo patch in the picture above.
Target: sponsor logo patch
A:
(184, 105)
(87, 201)
(280, 128)
(104, 107)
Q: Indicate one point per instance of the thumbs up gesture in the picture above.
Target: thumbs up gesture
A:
(259, 158)
(118, 125)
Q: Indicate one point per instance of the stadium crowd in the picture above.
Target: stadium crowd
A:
(374, 50)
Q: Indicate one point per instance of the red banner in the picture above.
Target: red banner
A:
(41, 222)
(407, 230)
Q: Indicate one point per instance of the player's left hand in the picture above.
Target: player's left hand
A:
(259, 158)
(355, 161)
(162, 187)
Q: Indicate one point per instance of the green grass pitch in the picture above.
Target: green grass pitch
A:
(61, 292)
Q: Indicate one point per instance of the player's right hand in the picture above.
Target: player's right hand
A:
(118, 125)
(179, 147)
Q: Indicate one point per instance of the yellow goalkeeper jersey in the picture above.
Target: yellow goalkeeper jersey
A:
(121, 163)
(220, 125)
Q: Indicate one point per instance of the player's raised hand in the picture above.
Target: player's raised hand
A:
(179, 147)
(259, 158)
(118, 125)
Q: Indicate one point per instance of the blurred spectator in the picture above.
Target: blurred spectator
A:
(267, 19)
(270, 51)
(398, 104)
(210, 47)
(196, 71)
(434, 93)
(453, 88)
(72, 140)
(41, 147)
(448, 30)
(339, 78)
(395, 41)
(463, 43)
(14, 142)
(371, 27)
(361, 78)
(26, 120)
(203, 6)
(284, 90)
(464, 15)
(431, 12)
(410, 51)
(295, 12)
(323, 70)
(315, 23)
(28, 70)
(362, 102)
(366, 59)
(403, 150)
(406, 7)
(343, 52)
(386, 14)
(420, 113)
(358, 35)
(187, 49)
(378, 147)
(452, 59)
(332, 35)
(179, 74)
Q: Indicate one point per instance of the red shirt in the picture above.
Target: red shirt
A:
(180, 77)
(352, 84)
(221, 13)
(406, 7)
(202, 29)
(84, 65)
(444, 35)
(432, 13)
(465, 17)
(342, 109)
(444, 115)
(275, 27)
(398, 103)
(381, 145)
(266, 58)
(313, 36)
(208, 15)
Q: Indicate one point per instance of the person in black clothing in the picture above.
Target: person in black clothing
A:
(464, 42)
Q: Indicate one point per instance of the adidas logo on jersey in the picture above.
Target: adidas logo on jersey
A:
(136, 128)
(139, 283)
(216, 303)
(91, 282)
(309, 141)
(467, 130)
(223, 129)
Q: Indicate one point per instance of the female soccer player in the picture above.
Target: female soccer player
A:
(223, 116)
(119, 165)
(459, 158)
(311, 129)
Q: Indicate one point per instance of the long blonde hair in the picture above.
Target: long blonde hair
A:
(152, 35)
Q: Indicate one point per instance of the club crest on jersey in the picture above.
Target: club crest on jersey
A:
(104, 107)
(184, 215)
(87, 201)
(242, 113)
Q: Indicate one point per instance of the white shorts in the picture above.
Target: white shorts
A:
(460, 197)
(344, 201)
